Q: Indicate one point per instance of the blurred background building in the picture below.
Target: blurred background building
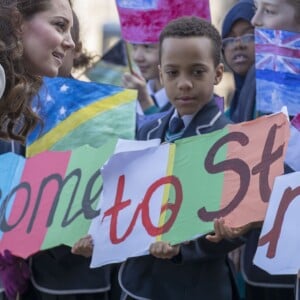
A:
(99, 24)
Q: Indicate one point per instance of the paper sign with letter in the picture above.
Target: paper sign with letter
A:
(173, 192)
(49, 199)
(166, 192)
(279, 243)
(277, 70)
(142, 21)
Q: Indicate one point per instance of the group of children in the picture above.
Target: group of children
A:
(188, 62)
(188, 72)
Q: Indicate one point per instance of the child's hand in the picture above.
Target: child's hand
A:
(133, 81)
(164, 250)
(223, 231)
(84, 247)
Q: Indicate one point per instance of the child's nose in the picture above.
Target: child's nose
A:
(256, 20)
(184, 82)
(238, 43)
(138, 55)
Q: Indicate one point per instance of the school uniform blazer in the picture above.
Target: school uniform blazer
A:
(200, 271)
(57, 271)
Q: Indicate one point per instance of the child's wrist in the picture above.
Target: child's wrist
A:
(151, 110)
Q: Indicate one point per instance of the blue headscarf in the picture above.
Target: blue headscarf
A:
(242, 10)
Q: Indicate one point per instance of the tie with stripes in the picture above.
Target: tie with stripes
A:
(176, 125)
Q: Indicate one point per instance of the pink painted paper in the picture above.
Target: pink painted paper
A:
(253, 208)
(31, 242)
(140, 25)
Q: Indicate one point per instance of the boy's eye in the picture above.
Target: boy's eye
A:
(198, 72)
(171, 73)
(150, 46)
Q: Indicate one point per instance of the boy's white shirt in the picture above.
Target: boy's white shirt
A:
(187, 119)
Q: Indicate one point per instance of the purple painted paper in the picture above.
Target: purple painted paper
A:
(143, 20)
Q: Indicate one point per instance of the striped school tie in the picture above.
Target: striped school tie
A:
(176, 125)
(175, 130)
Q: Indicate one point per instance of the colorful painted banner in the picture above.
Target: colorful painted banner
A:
(52, 198)
(76, 113)
(277, 70)
(228, 173)
(143, 20)
(49, 199)
(278, 246)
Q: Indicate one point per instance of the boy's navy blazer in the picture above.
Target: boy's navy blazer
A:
(201, 270)
(208, 119)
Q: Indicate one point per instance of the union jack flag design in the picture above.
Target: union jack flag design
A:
(277, 70)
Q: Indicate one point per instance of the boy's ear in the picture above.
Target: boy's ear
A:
(2, 81)
(219, 73)
(160, 75)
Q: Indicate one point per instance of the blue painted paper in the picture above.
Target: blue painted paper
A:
(138, 4)
(277, 71)
(11, 170)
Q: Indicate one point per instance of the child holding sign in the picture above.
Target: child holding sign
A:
(281, 15)
(151, 95)
(141, 23)
(190, 53)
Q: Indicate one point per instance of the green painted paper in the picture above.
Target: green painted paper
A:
(197, 185)
(89, 160)
(113, 123)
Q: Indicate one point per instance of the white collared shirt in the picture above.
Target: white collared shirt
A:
(186, 118)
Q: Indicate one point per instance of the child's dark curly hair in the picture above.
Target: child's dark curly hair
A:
(185, 27)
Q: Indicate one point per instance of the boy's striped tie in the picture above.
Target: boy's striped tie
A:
(176, 125)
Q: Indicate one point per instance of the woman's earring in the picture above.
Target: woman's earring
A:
(2, 81)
